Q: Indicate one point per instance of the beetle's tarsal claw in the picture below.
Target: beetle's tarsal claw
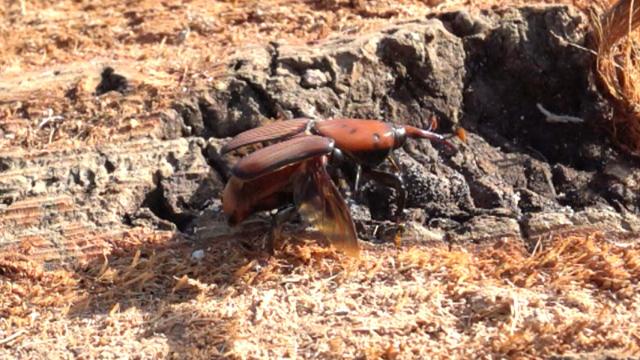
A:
(397, 240)
(273, 240)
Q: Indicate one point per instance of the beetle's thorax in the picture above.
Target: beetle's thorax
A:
(369, 142)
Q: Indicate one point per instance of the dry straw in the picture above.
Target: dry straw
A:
(617, 69)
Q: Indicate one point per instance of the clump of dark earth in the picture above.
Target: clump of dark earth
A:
(110, 81)
(489, 72)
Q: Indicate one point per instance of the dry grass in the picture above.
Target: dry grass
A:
(616, 43)
(578, 295)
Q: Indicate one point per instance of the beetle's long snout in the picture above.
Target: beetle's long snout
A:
(417, 133)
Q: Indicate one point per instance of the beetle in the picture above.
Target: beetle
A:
(294, 171)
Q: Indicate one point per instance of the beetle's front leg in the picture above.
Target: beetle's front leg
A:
(395, 181)
(339, 170)
(395, 162)
(356, 185)
(391, 180)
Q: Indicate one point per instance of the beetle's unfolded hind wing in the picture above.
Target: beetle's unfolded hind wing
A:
(320, 202)
(271, 158)
(275, 131)
(241, 198)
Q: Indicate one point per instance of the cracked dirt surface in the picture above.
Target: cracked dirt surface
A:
(139, 168)
(518, 175)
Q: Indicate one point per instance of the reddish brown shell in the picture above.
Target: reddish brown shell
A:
(357, 135)
(276, 156)
(275, 131)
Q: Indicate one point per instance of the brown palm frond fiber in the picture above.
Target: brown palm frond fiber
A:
(618, 55)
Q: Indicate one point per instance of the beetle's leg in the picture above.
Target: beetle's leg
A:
(395, 162)
(277, 223)
(356, 185)
(336, 170)
(340, 179)
(395, 181)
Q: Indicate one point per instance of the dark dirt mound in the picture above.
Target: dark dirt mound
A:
(505, 76)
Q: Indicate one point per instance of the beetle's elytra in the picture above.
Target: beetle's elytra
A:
(293, 172)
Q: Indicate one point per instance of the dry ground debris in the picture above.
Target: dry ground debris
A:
(579, 296)
(112, 244)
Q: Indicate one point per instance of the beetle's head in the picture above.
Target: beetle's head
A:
(399, 136)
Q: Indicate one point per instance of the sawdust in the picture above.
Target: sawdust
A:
(578, 295)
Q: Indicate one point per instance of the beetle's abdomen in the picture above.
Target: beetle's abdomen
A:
(369, 141)
(241, 198)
